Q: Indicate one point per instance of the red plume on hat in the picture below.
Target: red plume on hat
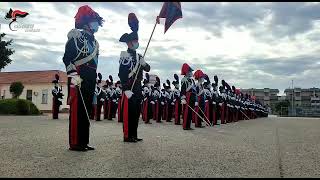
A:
(86, 15)
(198, 74)
(185, 69)
(238, 91)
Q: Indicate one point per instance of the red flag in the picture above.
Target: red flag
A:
(171, 11)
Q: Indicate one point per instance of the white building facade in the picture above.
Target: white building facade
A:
(37, 87)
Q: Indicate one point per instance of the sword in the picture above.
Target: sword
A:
(255, 113)
(83, 103)
(244, 114)
(205, 116)
(197, 114)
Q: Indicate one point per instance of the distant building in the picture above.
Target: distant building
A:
(303, 97)
(37, 87)
(266, 96)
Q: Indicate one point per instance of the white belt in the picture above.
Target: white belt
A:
(88, 58)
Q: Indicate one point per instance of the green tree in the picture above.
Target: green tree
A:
(5, 52)
(16, 89)
(283, 104)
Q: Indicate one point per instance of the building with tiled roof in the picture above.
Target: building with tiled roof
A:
(37, 86)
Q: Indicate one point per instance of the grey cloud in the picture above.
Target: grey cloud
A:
(42, 60)
(288, 20)
(285, 66)
(294, 17)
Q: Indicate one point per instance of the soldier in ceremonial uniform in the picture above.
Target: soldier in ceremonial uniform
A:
(156, 101)
(81, 60)
(237, 104)
(111, 100)
(106, 89)
(118, 93)
(146, 105)
(176, 100)
(215, 101)
(131, 63)
(163, 99)
(233, 104)
(57, 97)
(223, 102)
(188, 95)
(168, 100)
(114, 101)
(200, 103)
(101, 95)
(208, 107)
(228, 107)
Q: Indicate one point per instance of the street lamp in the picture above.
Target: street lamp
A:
(292, 98)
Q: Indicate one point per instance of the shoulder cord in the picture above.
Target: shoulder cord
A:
(84, 49)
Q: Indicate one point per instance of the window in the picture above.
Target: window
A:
(45, 96)
(29, 95)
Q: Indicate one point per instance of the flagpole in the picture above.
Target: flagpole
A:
(145, 51)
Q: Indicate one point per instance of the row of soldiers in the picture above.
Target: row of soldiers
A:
(106, 96)
(197, 102)
(211, 105)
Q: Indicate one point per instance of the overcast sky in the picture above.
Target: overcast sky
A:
(250, 45)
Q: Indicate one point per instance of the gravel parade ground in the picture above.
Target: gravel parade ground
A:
(37, 146)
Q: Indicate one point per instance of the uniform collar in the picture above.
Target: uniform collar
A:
(88, 34)
(131, 51)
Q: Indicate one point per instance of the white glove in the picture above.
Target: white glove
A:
(172, 103)
(196, 104)
(183, 101)
(206, 100)
(142, 61)
(152, 102)
(162, 103)
(76, 80)
(102, 100)
(114, 100)
(128, 93)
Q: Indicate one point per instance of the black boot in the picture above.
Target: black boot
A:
(77, 148)
(89, 148)
(130, 140)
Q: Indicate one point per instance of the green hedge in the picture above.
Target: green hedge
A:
(18, 107)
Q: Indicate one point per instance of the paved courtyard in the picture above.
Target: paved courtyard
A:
(37, 146)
